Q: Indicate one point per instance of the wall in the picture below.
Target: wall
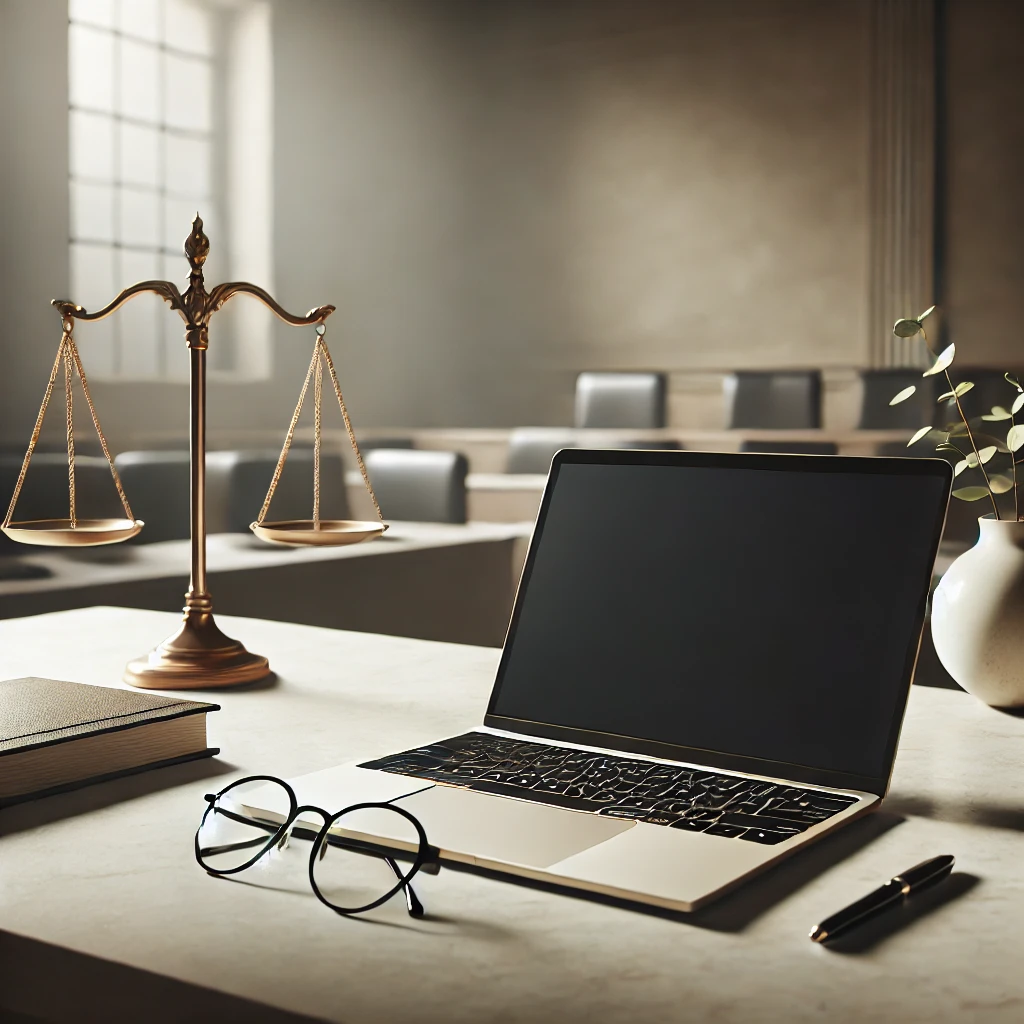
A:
(496, 195)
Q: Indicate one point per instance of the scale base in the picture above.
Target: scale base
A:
(198, 657)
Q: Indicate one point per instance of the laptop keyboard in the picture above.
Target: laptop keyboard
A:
(692, 799)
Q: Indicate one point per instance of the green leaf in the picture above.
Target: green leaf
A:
(956, 429)
(1000, 483)
(944, 360)
(960, 389)
(971, 459)
(1018, 404)
(971, 493)
(906, 328)
(1015, 438)
(998, 413)
(982, 439)
(960, 467)
(917, 437)
(927, 313)
(985, 454)
(903, 395)
(1010, 379)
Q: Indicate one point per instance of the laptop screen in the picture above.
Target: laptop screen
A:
(726, 603)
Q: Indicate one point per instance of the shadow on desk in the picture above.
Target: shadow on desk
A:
(34, 813)
(738, 909)
(91, 989)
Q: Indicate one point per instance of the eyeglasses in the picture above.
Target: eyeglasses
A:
(354, 860)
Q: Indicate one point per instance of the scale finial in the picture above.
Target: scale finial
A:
(197, 245)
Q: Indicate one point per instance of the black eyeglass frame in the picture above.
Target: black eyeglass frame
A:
(426, 856)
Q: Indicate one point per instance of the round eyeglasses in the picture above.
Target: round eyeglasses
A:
(361, 856)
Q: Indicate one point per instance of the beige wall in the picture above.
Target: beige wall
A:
(498, 194)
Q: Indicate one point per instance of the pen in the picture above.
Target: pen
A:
(895, 891)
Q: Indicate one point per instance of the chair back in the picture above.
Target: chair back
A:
(158, 484)
(631, 400)
(418, 485)
(531, 449)
(790, 447)
(774, 400)
(881, 386)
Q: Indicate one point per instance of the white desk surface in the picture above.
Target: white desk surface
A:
(99, 887)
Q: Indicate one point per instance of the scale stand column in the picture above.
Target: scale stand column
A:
(199, 655)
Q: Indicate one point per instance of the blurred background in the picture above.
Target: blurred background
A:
(734, 198)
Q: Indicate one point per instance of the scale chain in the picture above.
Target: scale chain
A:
(99, 430)
(68, 378)
(318, 395)
(34, 439)
(288, 439)
(348, 427)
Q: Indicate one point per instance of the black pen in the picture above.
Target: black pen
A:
(895, 891)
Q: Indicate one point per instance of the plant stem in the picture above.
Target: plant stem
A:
(1013, 462)
(970, 436)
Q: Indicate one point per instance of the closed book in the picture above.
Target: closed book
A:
(56, 735)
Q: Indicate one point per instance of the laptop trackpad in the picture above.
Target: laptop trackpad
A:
(477, 827)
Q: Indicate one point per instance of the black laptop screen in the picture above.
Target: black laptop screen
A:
(755, 612)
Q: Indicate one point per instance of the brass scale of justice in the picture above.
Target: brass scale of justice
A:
(198, 655)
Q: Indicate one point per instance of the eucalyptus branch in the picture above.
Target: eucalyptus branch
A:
(1013, 463)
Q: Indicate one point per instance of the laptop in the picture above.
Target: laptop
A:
(706, 670)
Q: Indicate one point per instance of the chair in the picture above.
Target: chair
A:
(44, 494)
(237, 483)
(158, 484)
(613, 400)
(881, 386)
(531, 449)
(649, 446)
(790, 447)
(774, 400)
(417, 485)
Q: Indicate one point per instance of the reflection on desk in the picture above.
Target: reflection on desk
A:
(101, 885)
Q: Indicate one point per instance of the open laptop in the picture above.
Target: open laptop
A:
(706, 669)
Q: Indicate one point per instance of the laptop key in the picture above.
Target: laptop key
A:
(765, 836)
(693, 824)
(727, 831)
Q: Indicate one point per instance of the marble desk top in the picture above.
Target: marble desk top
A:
(99, 889)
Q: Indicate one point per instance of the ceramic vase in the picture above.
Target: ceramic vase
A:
(978, 615)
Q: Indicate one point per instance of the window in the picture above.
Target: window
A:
(150, 83)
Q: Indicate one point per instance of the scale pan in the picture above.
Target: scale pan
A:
(332, 532)
(59, 533)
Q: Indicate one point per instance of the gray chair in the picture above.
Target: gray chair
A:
(422, 486)
(531, 449)
(237, 483)
(44, 495)
(649, 446)
(790, 447)
(881, 386)
(614, 400)
(157, 484)
(774, 400)
(372, 443)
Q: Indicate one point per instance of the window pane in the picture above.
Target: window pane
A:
(140, 155)
(141, 18)
(140, 81)
(187, 171)
(92, 212)
(91, 68)
(92, 146)
(141, 336)
(92, 286)
(187, 27)
(140, 218)
(96, 12)
(187, 96)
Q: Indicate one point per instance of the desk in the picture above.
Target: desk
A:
(102, 884)
(434, 581)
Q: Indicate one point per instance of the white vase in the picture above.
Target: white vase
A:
(978, 615)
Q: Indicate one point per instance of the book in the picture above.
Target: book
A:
(57, 735)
